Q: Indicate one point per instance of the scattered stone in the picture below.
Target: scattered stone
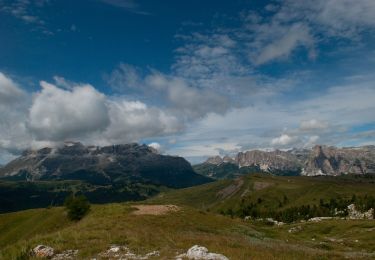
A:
(66, 255)
(154, 209)
(295, 229)
(43, 251)
(275, 222)
(123, 252)
(353, 213)
(201, 253)
(318, 219)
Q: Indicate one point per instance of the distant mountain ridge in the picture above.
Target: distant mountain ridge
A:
(102, 165)
(320, 160)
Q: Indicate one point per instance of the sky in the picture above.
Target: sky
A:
(190, 78)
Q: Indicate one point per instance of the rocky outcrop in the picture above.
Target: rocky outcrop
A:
(269, 161)
(201, 253)
(320, 160)
(102, 165)
(123, 252)
(42, 251)
(353, 213)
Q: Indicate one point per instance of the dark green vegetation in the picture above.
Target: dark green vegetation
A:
(224, 170)
(23, 195)
(230, 170)
(286, 199)
(76, 206)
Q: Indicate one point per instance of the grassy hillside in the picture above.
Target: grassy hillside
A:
(175, 232)
(197, 222)
(269, 192)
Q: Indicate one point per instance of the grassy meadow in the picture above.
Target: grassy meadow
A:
(197, 222)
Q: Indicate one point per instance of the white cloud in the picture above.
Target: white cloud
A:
(156, 146)
(311, 141)
(9, 90)
(131, 121)
(57, 114)
(186, 100)
(284, 140)
(279, 42)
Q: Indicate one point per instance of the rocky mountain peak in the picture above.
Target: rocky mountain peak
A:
(102, 165)
(319, 160)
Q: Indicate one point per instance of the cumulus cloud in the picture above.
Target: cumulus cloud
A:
(57, 114)
(188, 101)
(284, 140)
(9, 91)
(311, 141)
(125, 78)
(134, 120)
(156, 146)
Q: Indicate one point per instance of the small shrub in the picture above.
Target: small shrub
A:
(77, 207)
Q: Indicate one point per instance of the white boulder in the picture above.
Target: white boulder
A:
(201, 253)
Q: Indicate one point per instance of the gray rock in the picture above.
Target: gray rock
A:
(320, 160)
(42, 251)
(201, 253)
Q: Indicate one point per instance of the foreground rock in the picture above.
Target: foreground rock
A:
(201, 253)
(355, 214)
(66, 255)
(154, 209)
(123, 252)
(43, 251)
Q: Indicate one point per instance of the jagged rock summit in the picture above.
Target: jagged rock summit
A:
(102, 165)
(320, 160)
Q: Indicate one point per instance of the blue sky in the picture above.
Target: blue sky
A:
(192, 78)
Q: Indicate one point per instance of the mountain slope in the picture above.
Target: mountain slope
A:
(269, 192)
(102, 165)
(103, 174)
(173, 233)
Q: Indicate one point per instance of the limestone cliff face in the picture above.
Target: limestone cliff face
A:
(269, 161)
(320, 160)
(324, 160)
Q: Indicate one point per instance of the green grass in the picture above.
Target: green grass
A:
(198, 223)
(298, 190)
(174, 233)
(26, 224)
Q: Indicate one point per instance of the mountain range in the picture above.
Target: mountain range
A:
(102, 165)
(45, 177)
(320, 160)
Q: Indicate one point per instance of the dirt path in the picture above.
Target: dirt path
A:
(154, 209)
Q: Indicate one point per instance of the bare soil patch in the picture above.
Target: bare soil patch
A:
(154, 209)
